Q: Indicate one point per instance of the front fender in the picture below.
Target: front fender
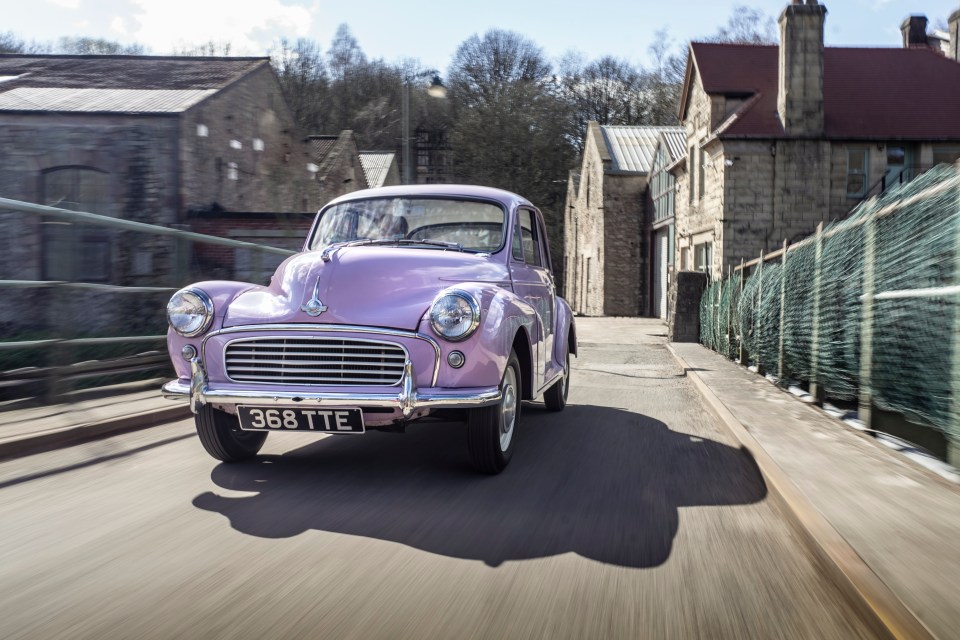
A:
(222, 292)
(502, 316)
(566, 332)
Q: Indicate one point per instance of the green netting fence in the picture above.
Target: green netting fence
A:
(866, 308)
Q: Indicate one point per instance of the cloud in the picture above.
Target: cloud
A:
(249, 26)
(66, 4)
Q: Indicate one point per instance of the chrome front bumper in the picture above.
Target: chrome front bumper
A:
(407, 400)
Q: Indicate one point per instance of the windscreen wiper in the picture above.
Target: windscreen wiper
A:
(456, 246)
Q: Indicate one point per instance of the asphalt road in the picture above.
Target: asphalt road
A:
(629, 515)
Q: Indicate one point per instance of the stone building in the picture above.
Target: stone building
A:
(163, 140)
(335, 166)
(782, 137)
(607, 235)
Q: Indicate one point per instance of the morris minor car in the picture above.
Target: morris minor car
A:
(405, 302)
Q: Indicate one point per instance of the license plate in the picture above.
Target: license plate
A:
(324, 420)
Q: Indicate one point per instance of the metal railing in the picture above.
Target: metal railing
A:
(866, 311)
(58, 334)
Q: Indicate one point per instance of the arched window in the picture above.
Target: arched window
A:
(76, 252)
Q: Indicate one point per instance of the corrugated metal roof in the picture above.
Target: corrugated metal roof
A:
(376, 166)
(125, 72)
(675, 142)
(631, 148)
(100, 100)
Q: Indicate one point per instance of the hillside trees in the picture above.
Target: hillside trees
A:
(509, 121)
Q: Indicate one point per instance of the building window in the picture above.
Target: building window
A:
(76, 252)
(691, 163)
(945, 155)
(701, 175)
(857, 163)
(664, 188)
(703, 257)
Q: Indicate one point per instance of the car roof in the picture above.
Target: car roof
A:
(506, 198)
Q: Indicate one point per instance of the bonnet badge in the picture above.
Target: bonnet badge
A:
(314, 307)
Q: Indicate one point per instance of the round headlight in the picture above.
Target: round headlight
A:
(455, 316)
(190, 312)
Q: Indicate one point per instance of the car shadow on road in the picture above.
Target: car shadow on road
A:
(601, 482)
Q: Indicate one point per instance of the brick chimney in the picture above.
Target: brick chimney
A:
(954, 27)
(914, 30)
(800, 94)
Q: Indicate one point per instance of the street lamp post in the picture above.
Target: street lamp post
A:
(435, 90)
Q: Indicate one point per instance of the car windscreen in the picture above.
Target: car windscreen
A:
(470, 224)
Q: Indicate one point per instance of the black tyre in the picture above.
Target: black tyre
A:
(556, 396)
(221, 436)
(491, 431)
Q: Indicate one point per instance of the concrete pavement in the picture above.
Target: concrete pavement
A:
(632, 514)
(882, 528)
(885, 526)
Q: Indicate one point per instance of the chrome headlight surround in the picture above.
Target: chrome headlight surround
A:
(190, 312)
(455, 315)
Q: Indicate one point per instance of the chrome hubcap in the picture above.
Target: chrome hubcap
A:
(508, 408)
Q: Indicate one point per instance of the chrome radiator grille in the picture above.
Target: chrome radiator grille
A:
(318, 361)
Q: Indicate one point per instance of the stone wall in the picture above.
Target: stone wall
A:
(137, 155)
(587, 288)
(605, 249)
(697, 221)
(242, 150)
(570, 231)
(625, 252)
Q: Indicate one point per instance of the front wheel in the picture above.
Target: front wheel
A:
(221, 436)
(491, 430)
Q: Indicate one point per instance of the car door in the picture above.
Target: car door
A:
(533, 281)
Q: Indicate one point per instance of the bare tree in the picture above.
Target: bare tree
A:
(303, 76)
(509, 121)
(207, 49)
(664, 80)
(747, 25)
(608, 91)
(12, 43)
(345, 55)
(78, 45)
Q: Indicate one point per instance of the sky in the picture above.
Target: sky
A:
(430, 30)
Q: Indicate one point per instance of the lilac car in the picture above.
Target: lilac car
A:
(405, 302)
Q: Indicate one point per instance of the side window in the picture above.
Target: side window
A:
(544, 245)
(517, 244)
(530, 237)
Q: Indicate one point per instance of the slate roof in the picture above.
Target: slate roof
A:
(376, 166)
(321, 146)
(631, 148)
(879, 93)
(128, 84)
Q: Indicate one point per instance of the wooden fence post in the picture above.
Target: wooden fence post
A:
(742, 352)
(816, 387)
(729, 286)
(781, 369)
(953, 434)
(716, 313)
(756, 324)
(866, 321)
